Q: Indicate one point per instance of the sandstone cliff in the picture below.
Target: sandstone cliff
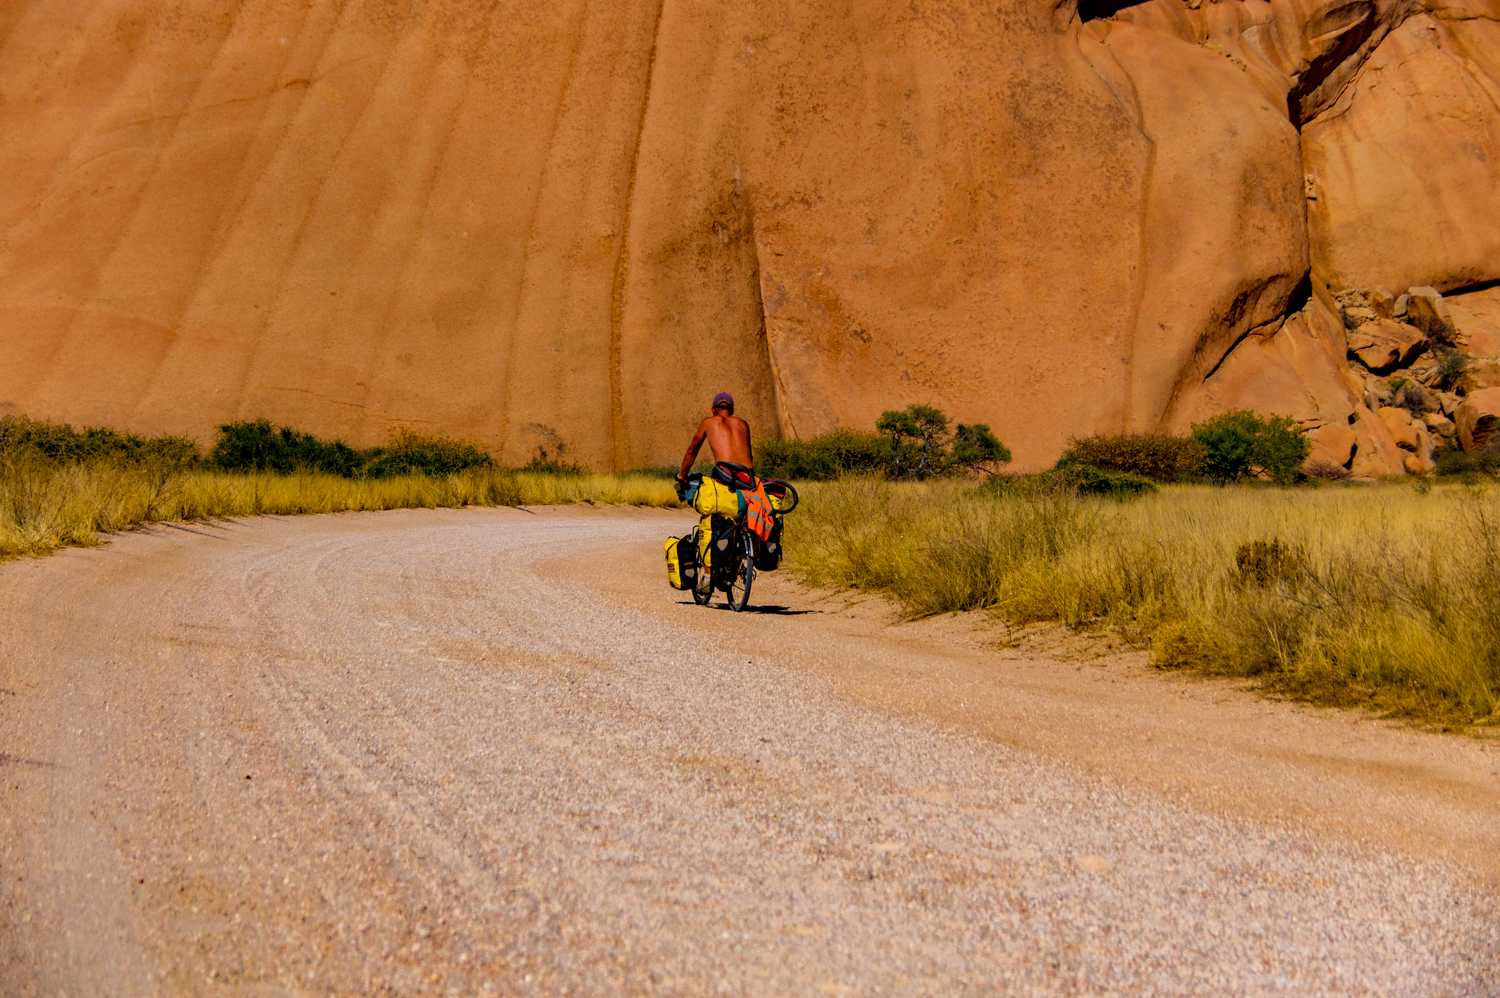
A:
(571, 223)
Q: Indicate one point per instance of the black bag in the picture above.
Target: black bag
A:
(768, 551)
(721, 535)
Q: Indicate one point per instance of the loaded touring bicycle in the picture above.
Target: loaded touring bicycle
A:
(739, 533)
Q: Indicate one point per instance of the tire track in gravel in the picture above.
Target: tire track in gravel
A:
(488, 752)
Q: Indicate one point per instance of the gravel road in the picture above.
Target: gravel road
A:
(486, 752)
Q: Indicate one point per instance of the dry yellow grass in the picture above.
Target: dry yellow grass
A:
(44, 506)
(1385, 596)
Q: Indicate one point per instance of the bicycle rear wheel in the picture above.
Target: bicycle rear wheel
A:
(744, 578)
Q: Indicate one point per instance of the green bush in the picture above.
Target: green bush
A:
(915, 441)
(1239, 442)
(257, 445)
(59, 443)
(1157, 456)
(1412, 397)
(822, 458)
(1452, 370)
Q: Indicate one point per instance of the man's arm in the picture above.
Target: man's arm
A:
(692, 451)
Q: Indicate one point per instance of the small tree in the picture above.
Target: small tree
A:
(1227, 440)
(932, 430)
(1237, 442)
(1280, 448)
(976, 448)
(920, 437)
(900, 427)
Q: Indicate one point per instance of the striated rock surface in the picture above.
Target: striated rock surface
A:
(565, 226)
(1401, 165)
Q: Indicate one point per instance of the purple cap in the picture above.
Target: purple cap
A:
(723, 399)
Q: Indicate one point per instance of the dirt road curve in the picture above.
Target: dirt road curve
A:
(489, 752)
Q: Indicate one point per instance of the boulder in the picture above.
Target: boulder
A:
(1482, 372)
(1439, 425)
(1424, 373)
(1376, 455)
(1417, 464)
(1335, 440)
(1427, 311)
(1476, 417)
(1377, 392)
(1398, 421)
(1382, 303)
(1423, 460)
(1358, 315)
(1323, 463)
(1476, 320)
(1384, 344)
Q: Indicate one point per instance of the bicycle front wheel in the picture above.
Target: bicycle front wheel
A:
(744, 578)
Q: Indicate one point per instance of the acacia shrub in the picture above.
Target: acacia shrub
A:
(1239, 442)
(1157, 456)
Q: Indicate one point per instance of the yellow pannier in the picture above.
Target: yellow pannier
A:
(682, 562)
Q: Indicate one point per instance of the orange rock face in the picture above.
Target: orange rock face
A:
(565, 226)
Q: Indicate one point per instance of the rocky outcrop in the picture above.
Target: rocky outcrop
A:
(1401, 177)
(566, 226)
(1476, 418)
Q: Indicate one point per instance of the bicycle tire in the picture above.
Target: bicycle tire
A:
(744, 577)
(703, 589)
(786, 490)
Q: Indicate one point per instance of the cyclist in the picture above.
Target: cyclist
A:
(728, 437)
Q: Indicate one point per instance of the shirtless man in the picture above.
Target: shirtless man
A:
(728, 437)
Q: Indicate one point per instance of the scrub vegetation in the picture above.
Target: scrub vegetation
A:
(1386, 596)
(60, 487)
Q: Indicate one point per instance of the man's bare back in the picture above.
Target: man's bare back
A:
(728, 437)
